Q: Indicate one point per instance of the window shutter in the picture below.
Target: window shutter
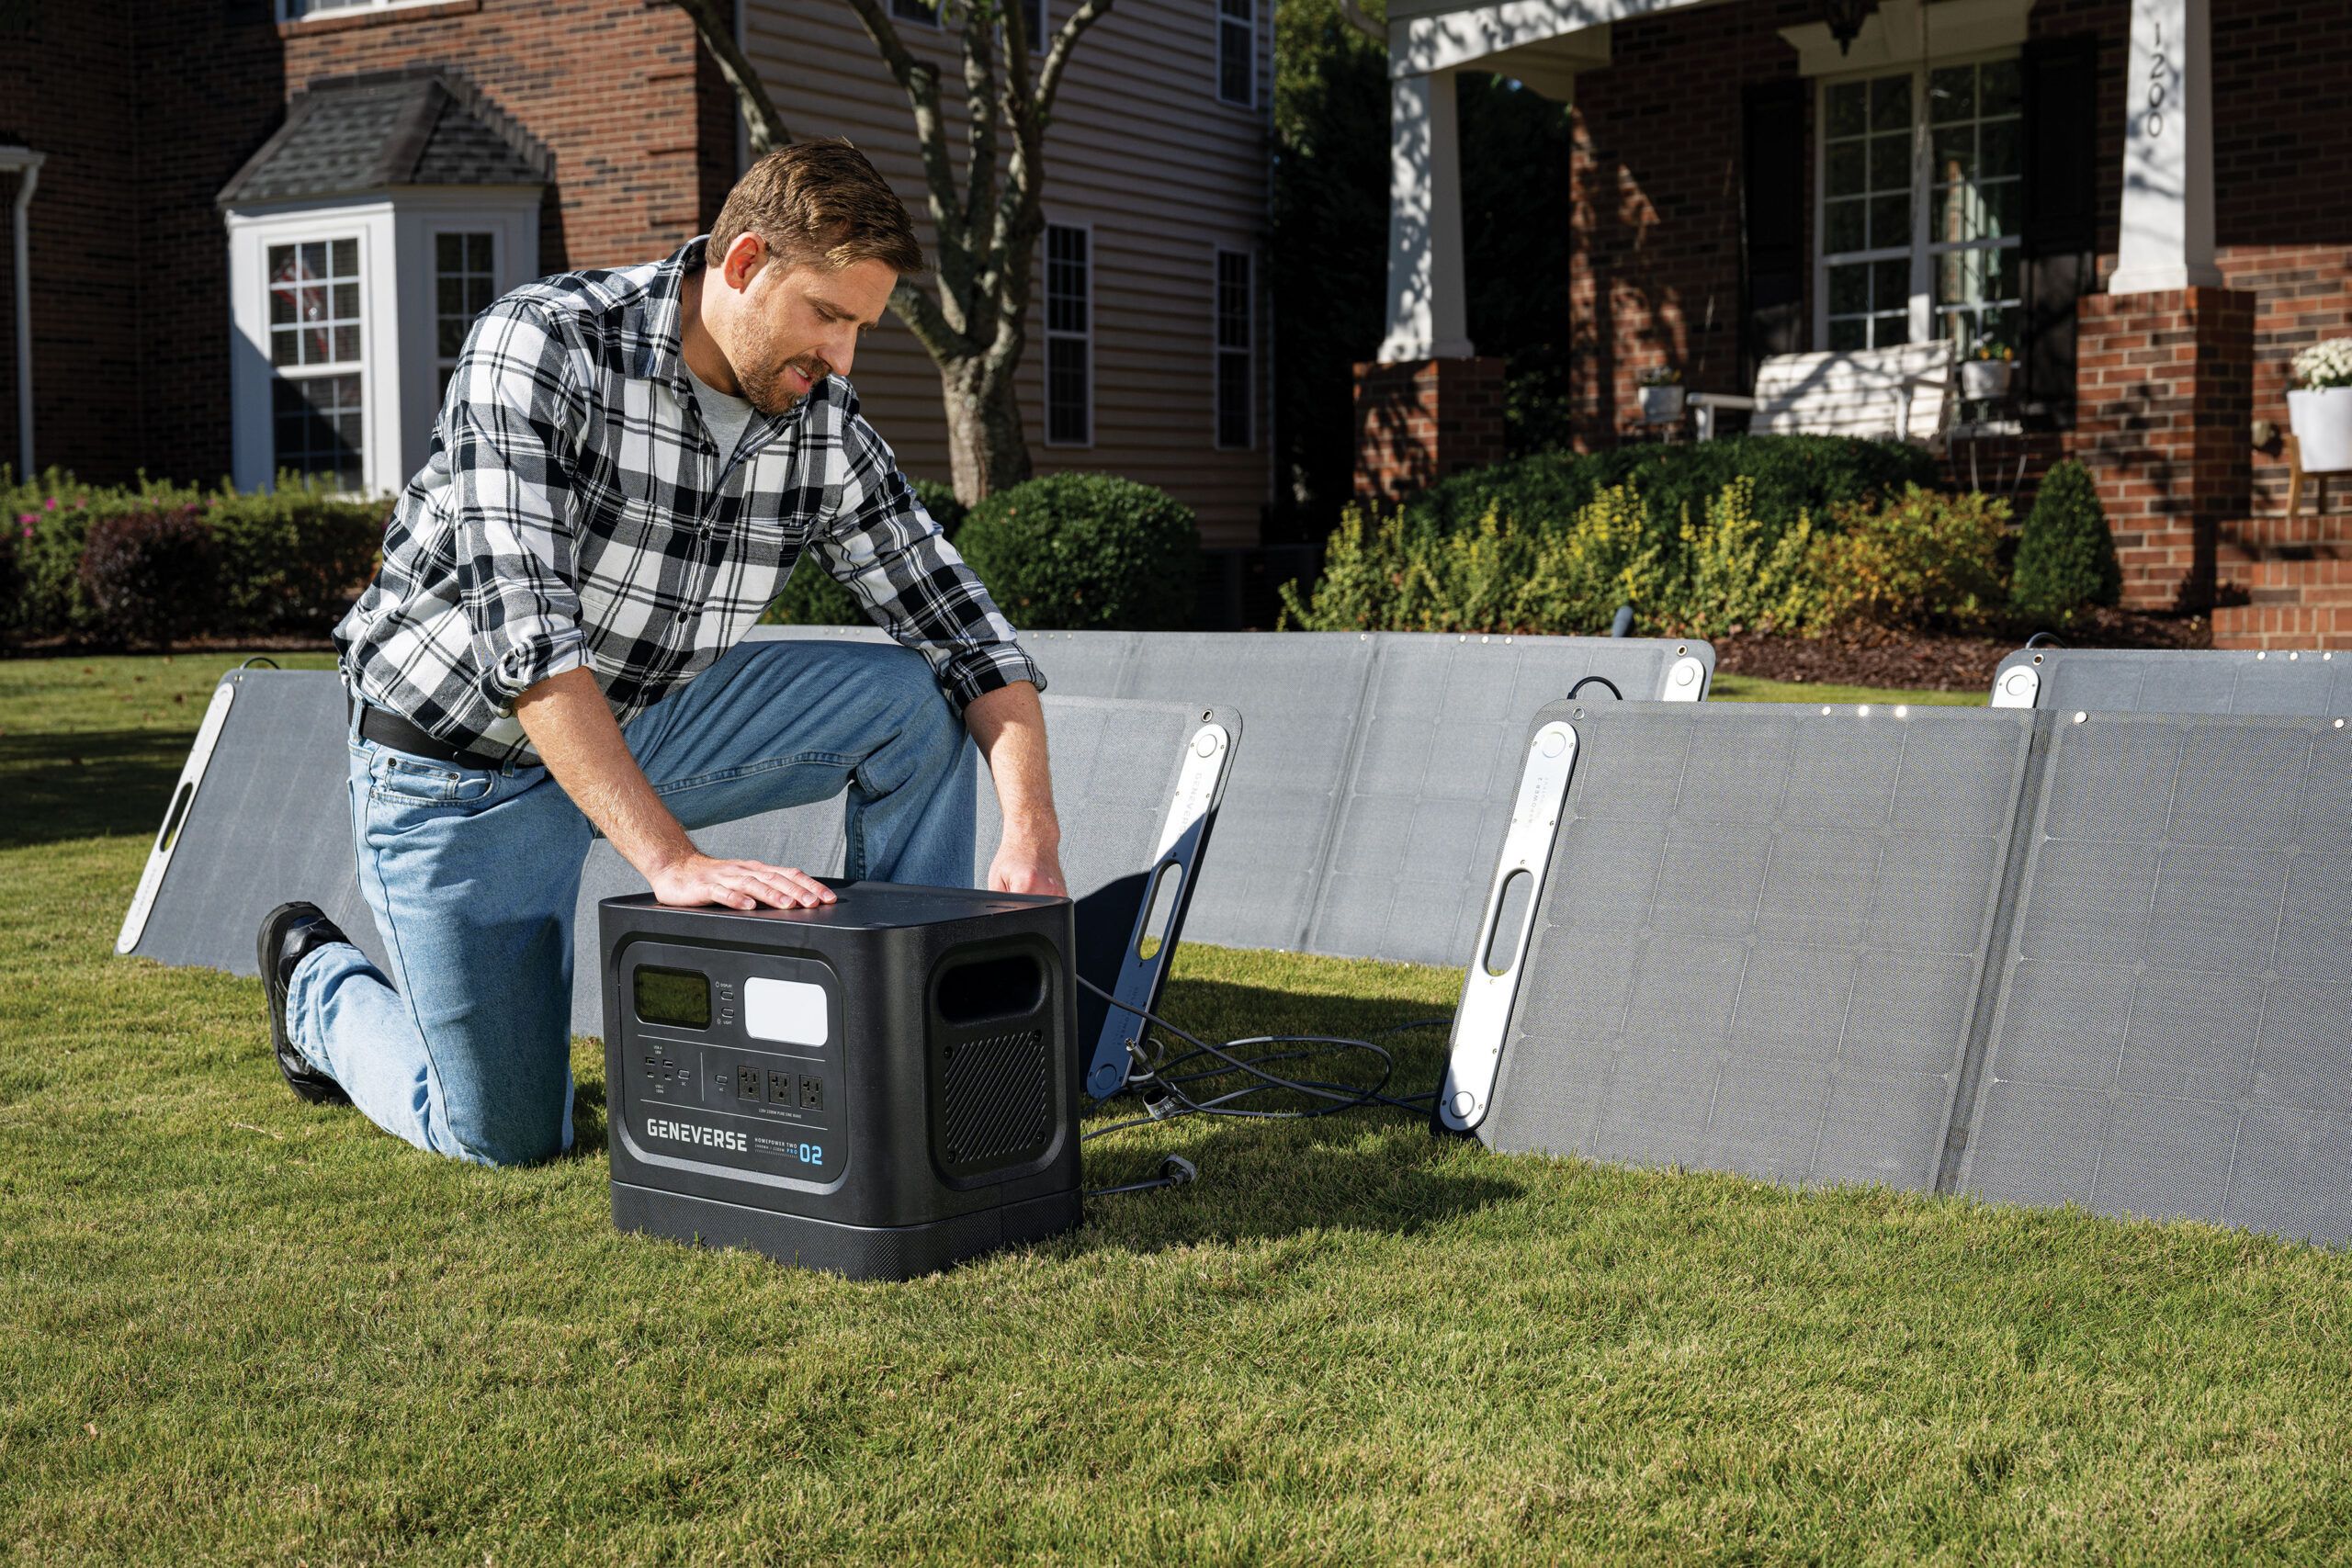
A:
(2060, 210)
(1772, 220)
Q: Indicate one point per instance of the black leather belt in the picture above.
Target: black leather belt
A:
(391, 729)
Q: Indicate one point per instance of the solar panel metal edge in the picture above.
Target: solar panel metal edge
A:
(2172, 1034)
(1682, 1062)
(2309, 682)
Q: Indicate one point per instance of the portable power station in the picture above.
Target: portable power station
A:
(880, 1088)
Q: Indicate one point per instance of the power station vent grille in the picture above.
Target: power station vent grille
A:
(995, 1101)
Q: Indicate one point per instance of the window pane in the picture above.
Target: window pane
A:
(449, 337)
(448, 253)
(477, 252)
(1849, 289)
(1847, 173)
(1233, 400)
(281, 307)
(1891, 102)
(1232, 299)
(1955, 154)
(449, 296)
(1847, 335)
(1850, 107)
(1890, 162)
(1891, 284)
(347, 301)
(1890, 221)
(1999, 147)
(1952, 94)
(2004, 205)
(478, 296)
(1999, 88)
(1234, 42)
(1888, 330)
(346, 345)
(1067, 405)
(318, 427)
(314, 262)
(286, 345)
(1845, 232)
(347, 258)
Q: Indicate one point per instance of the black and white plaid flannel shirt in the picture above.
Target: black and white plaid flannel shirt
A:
(575, 511)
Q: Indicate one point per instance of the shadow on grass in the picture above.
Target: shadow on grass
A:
(1377, 1168)
(91, 785)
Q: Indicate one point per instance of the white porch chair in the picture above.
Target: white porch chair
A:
(1903, 392)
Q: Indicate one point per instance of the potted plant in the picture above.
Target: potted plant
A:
(1985, 373)
(2319, 408)
(1661, 395)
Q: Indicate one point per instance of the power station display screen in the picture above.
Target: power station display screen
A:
(679, 997)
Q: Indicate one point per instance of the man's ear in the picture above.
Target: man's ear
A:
(744, 260)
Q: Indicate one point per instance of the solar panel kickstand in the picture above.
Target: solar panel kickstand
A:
(1159, 913)
(1476, 1050)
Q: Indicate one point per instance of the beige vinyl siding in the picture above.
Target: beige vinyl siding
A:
(1143, 154)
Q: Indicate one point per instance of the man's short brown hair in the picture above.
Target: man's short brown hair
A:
(817, 203)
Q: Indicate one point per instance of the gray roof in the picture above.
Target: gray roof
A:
(410, 128)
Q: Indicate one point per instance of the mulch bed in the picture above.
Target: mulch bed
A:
(1936, 661)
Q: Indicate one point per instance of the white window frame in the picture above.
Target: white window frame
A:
(1049, 335)
(401, 371)
(1219, 22)
(1923, 249)
(1219, 351)
(293, 11)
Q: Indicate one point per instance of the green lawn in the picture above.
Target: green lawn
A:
(236, 1327)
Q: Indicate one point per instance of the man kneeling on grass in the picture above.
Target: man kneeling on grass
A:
(626, 469)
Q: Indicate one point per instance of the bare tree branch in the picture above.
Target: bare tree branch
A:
(920, 79)
(981, 111)
(1049, 75)
(930, 324)
(760, 113)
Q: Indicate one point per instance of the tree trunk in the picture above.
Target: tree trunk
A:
(986, 451)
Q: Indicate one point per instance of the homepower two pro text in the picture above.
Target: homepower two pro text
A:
(881, 1086)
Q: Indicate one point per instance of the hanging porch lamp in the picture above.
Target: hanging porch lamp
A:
(1845, 18)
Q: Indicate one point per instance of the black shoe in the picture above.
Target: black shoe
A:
(289, 934)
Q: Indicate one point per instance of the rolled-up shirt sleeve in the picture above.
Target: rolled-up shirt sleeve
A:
(508, 427)
(891, 555)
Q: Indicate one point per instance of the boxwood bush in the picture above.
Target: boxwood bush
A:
(1788, 476)
(2065, 555)
(1075, 551)
(151, 576)
(283, 562)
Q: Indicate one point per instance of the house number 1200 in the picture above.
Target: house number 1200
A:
(2159, 72)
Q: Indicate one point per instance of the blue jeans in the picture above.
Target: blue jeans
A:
(465, 1048)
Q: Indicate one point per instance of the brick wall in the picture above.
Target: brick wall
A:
(1418, 422)
(69, 89)
(2164, 394)
(1654, 196)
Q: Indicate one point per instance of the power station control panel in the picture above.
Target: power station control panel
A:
(733, 1058)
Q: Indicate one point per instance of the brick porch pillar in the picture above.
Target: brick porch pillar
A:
(2164, 388)
(1422, 420)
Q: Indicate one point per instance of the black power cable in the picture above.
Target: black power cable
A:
(1588, 679)
(1166, 1093)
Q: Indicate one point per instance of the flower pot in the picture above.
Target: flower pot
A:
(1985, 377)
(2323, 425)
(1661, 405)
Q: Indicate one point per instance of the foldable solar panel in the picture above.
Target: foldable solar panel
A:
(261, 815)
(2175, 1026)
(1750, 938)
(2137, 680)
(2089, 957)
(1380, 764)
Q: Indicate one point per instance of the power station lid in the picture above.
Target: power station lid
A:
(861, 906)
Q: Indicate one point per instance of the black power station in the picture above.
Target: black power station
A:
(881, 1086)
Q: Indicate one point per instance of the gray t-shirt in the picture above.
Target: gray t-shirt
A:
(728, 417)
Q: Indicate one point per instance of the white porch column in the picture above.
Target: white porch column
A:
(1426, 317)
(2168, 230)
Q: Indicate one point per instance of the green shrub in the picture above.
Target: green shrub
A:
(1792, 475)
(1726, 571)
(938, 500)
(2065, 555)
(12, 583)
(1076, 551)
(1920, 559)
(151, 576)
